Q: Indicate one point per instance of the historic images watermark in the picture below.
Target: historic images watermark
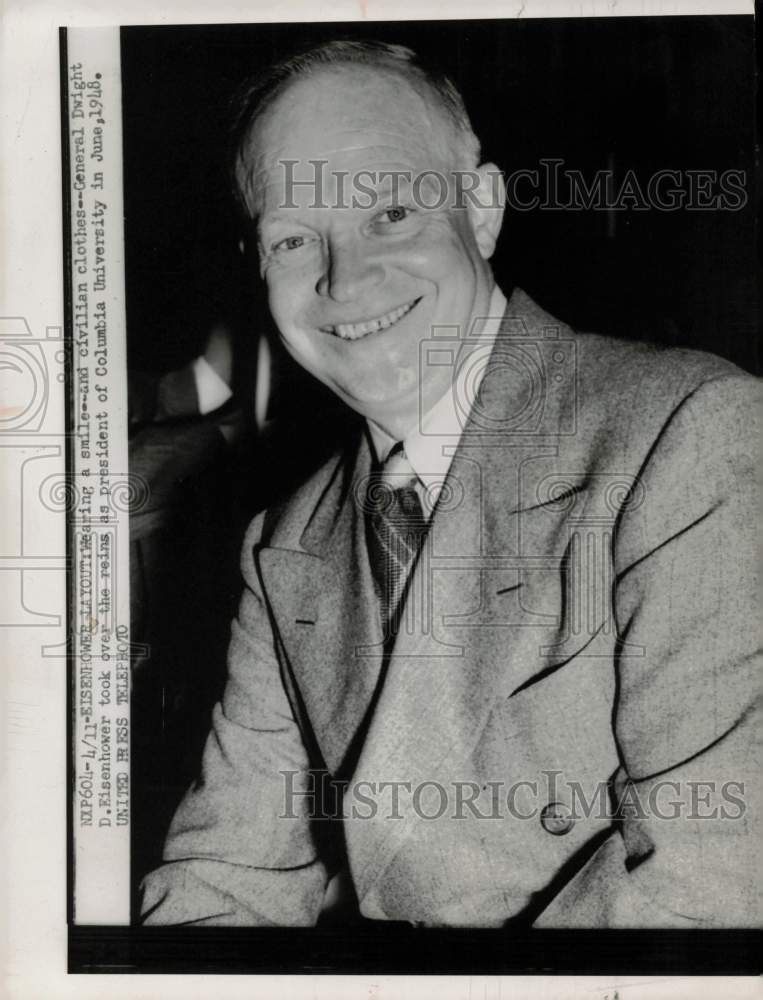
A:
(556, 798)
(549, 186)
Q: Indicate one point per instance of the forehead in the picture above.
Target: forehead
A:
(353, 118)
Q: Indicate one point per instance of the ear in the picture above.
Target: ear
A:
(247, 246)
(484, 193)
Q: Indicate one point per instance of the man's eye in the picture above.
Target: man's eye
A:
(290, 243)
(397, 213)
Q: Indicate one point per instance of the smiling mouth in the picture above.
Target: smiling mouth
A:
(354, 331)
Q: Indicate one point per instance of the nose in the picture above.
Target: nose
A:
(350, 271)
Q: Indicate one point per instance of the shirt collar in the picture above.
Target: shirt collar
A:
(430, 446)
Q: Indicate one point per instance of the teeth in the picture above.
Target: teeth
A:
(353, 331)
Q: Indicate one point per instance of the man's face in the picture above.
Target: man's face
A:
(354, 290)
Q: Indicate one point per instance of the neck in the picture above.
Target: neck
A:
(406, 417)
(397, 427)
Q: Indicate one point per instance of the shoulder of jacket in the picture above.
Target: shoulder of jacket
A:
(282, 523)
(622, 393)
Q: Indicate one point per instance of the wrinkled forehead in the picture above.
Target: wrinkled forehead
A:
(351, 118)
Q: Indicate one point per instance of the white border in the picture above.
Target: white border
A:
(100, 485)
(33, 850)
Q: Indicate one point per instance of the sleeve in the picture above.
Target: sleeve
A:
(237, 853)
(155, 398)
(686, 601)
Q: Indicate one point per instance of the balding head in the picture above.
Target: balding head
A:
(393, 72)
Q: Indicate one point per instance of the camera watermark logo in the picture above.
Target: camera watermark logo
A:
(505, 378)
(31, 389)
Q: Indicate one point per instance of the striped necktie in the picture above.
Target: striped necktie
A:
(395, 529)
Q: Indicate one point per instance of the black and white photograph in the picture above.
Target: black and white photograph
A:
(412, 501)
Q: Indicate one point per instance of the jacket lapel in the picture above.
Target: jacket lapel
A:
(322, 598)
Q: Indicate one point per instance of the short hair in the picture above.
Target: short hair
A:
(260, 92)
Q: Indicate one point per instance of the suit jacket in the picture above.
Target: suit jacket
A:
(580, 660)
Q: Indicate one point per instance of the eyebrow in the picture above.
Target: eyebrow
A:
(280, 215)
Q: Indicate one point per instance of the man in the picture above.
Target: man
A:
(512, 619)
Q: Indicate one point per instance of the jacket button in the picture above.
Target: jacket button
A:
(555, 819)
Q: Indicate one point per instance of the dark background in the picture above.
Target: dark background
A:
(643, 94)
